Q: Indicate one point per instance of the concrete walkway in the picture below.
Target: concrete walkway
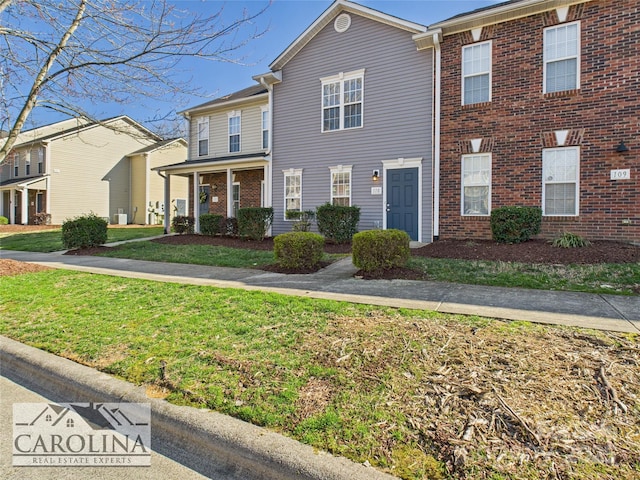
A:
(336, 282)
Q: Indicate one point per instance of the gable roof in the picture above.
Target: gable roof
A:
(230, 99)
(79, 127)
(329, 14)
(157, 146)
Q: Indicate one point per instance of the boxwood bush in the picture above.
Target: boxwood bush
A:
(4, 220)
(84, 231)
(254, 222)
(298, 249)
(515, 224)
(337, 223)
(380, 249)
(210, 223)
(183, 224)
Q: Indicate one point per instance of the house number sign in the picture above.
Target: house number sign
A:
(624, 174)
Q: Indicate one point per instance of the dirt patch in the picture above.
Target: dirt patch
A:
(13, 267)
(314, 397)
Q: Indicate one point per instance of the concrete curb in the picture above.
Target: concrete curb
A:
(213, 444)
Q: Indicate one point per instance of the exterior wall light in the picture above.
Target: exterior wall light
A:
(376, 175)
(622, 147)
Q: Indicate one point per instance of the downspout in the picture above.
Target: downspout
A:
(436, 135)
(268, 181)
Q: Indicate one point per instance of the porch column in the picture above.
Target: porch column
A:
(267, 190)
(229, 193)
(167, 203)
(2, 203)
(12, 206)
(196, 201)
(24, 206)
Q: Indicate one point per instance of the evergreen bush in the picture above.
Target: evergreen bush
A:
(254, 222)
(4, 220)
(337, 223)
(380, 249)
(210, 223)
(515, 224)
(183, 224)
(84, 231)
(298, 250)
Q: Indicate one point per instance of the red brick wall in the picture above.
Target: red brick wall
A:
(520, 120)
(250, 189)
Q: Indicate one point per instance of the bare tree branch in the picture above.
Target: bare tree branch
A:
(105, 51)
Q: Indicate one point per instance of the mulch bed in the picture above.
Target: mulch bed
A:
(532, 251)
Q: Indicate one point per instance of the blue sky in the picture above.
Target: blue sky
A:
(283, 21)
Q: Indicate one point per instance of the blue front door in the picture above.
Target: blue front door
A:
(402, 200)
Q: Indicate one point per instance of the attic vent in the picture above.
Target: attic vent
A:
(342, 23)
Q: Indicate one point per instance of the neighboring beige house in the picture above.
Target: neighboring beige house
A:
(75, 167)
(229, 162)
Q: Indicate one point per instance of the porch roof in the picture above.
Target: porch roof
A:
(199, 164)
(22, 182)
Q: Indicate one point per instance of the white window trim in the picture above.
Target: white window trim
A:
(263, 110)
(490, 72)
(238, 115)
(291, 172)
(577, 184)
(341, 77)
(41, 160)
(545, 61)
(201, 121)
(340, 169)
(462, 185)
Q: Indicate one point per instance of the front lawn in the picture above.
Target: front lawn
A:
(51, 240)
(416, 393)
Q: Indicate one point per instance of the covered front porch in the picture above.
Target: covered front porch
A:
(22, 199)
(219, 186)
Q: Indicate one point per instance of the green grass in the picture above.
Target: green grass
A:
(355, 380)
(622, 279)
(51, 240)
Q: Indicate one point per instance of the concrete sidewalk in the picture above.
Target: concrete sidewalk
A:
(336, 282)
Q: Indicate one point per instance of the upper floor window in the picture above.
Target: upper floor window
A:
(476, 73)
(265, 129)
(41, 160)
(476, 184)
(203, 136)
(342, 101)
(292, 190)
(234, 132)
(560, 174)
(27, 166)
(16, 165)
(562, 58)
(341, 185)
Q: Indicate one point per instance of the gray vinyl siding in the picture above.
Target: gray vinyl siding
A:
(250, 131)
(397, 118)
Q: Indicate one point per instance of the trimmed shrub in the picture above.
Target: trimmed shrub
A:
(254, 222)
(84, 231)
(515, 224)
(298, 249)
(4, 220)
(380, 249)
(337, 223)
(302, 219)
(210, 223)
(229, 227)
(570, 240)
(183, 224)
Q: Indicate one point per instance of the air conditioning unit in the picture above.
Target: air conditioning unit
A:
(120, 219)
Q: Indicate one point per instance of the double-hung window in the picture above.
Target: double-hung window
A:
(27, 166)
(41, 160)
(476, 184)
(341, 185)
(560, 174)
(562, 58)
(265, 129)
(203, 136)
(234, 132)
(292, 190)
(342, 101)
(16, 165)
(476, 73)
